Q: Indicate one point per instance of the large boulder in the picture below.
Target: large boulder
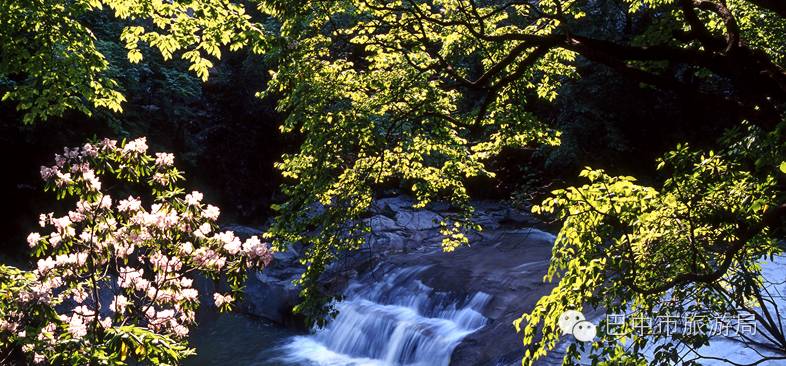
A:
(418, 220)
(271, 293)
(273, 298)
(380, 223)
(391, 205)
(386, 242)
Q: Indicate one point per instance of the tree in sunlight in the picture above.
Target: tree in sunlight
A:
(426, 92)
(50, 62)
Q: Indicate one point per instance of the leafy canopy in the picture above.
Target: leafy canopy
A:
(425, 92)
(50, 61)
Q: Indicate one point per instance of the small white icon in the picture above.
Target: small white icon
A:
(569, 319)
(573, 322)
(584, 331)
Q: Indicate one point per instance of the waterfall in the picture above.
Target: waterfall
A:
(393, 320)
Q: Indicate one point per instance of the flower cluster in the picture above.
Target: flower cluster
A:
(117, 266)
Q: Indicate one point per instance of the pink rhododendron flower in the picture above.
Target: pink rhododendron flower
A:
(138, 146)
(108, 144)
(189, 294)
(233, 247)
(129, 204)
(161, 179)
(165, 159)
(47, 173)
(254, 248)
(180, 330)
(44, 219)
(232, 243)
(89, 150)
(61, 223)
(186, 248)
(33, 239)
(80, 296)
(6, 326)
(211, 212)
(63, 179)
(147, 251)
(45, 264)
(106, 202)
(193, 198)
(150, 313)
(55, 239)
(123, 251)
(128, 277)
(76, 216)
(203, 230)
(119, 304)
(93, 184)
(220, 299)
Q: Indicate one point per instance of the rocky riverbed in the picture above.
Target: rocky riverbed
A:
(506, 261)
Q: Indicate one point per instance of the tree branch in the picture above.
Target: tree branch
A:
(771, 219)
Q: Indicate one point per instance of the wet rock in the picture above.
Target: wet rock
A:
(520, 218)
(391, 205)
(506, 264)
(273, 298)
(380, 223)
(386, 241)
(487, 222)
(271, 293)
(418, 220)
(506, 260)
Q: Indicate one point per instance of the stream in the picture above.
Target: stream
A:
(235, 339)
(392, 320)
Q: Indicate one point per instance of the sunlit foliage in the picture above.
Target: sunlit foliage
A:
(424, 92)
(50, 61)
(694, 245)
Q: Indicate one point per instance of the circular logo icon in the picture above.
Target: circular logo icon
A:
(573, 322)
(584, 331)
(568, 319)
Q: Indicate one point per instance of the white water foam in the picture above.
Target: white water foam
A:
(396, 320)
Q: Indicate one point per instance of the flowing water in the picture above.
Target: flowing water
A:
(391, 319)
(231, 339)
(395, 320)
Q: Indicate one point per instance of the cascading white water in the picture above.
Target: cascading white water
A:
(395, 320)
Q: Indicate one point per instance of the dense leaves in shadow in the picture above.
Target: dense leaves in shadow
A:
(225, 137)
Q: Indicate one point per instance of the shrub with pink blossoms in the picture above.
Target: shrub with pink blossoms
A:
(113, 282)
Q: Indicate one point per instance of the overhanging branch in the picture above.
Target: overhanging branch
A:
(771, 219)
